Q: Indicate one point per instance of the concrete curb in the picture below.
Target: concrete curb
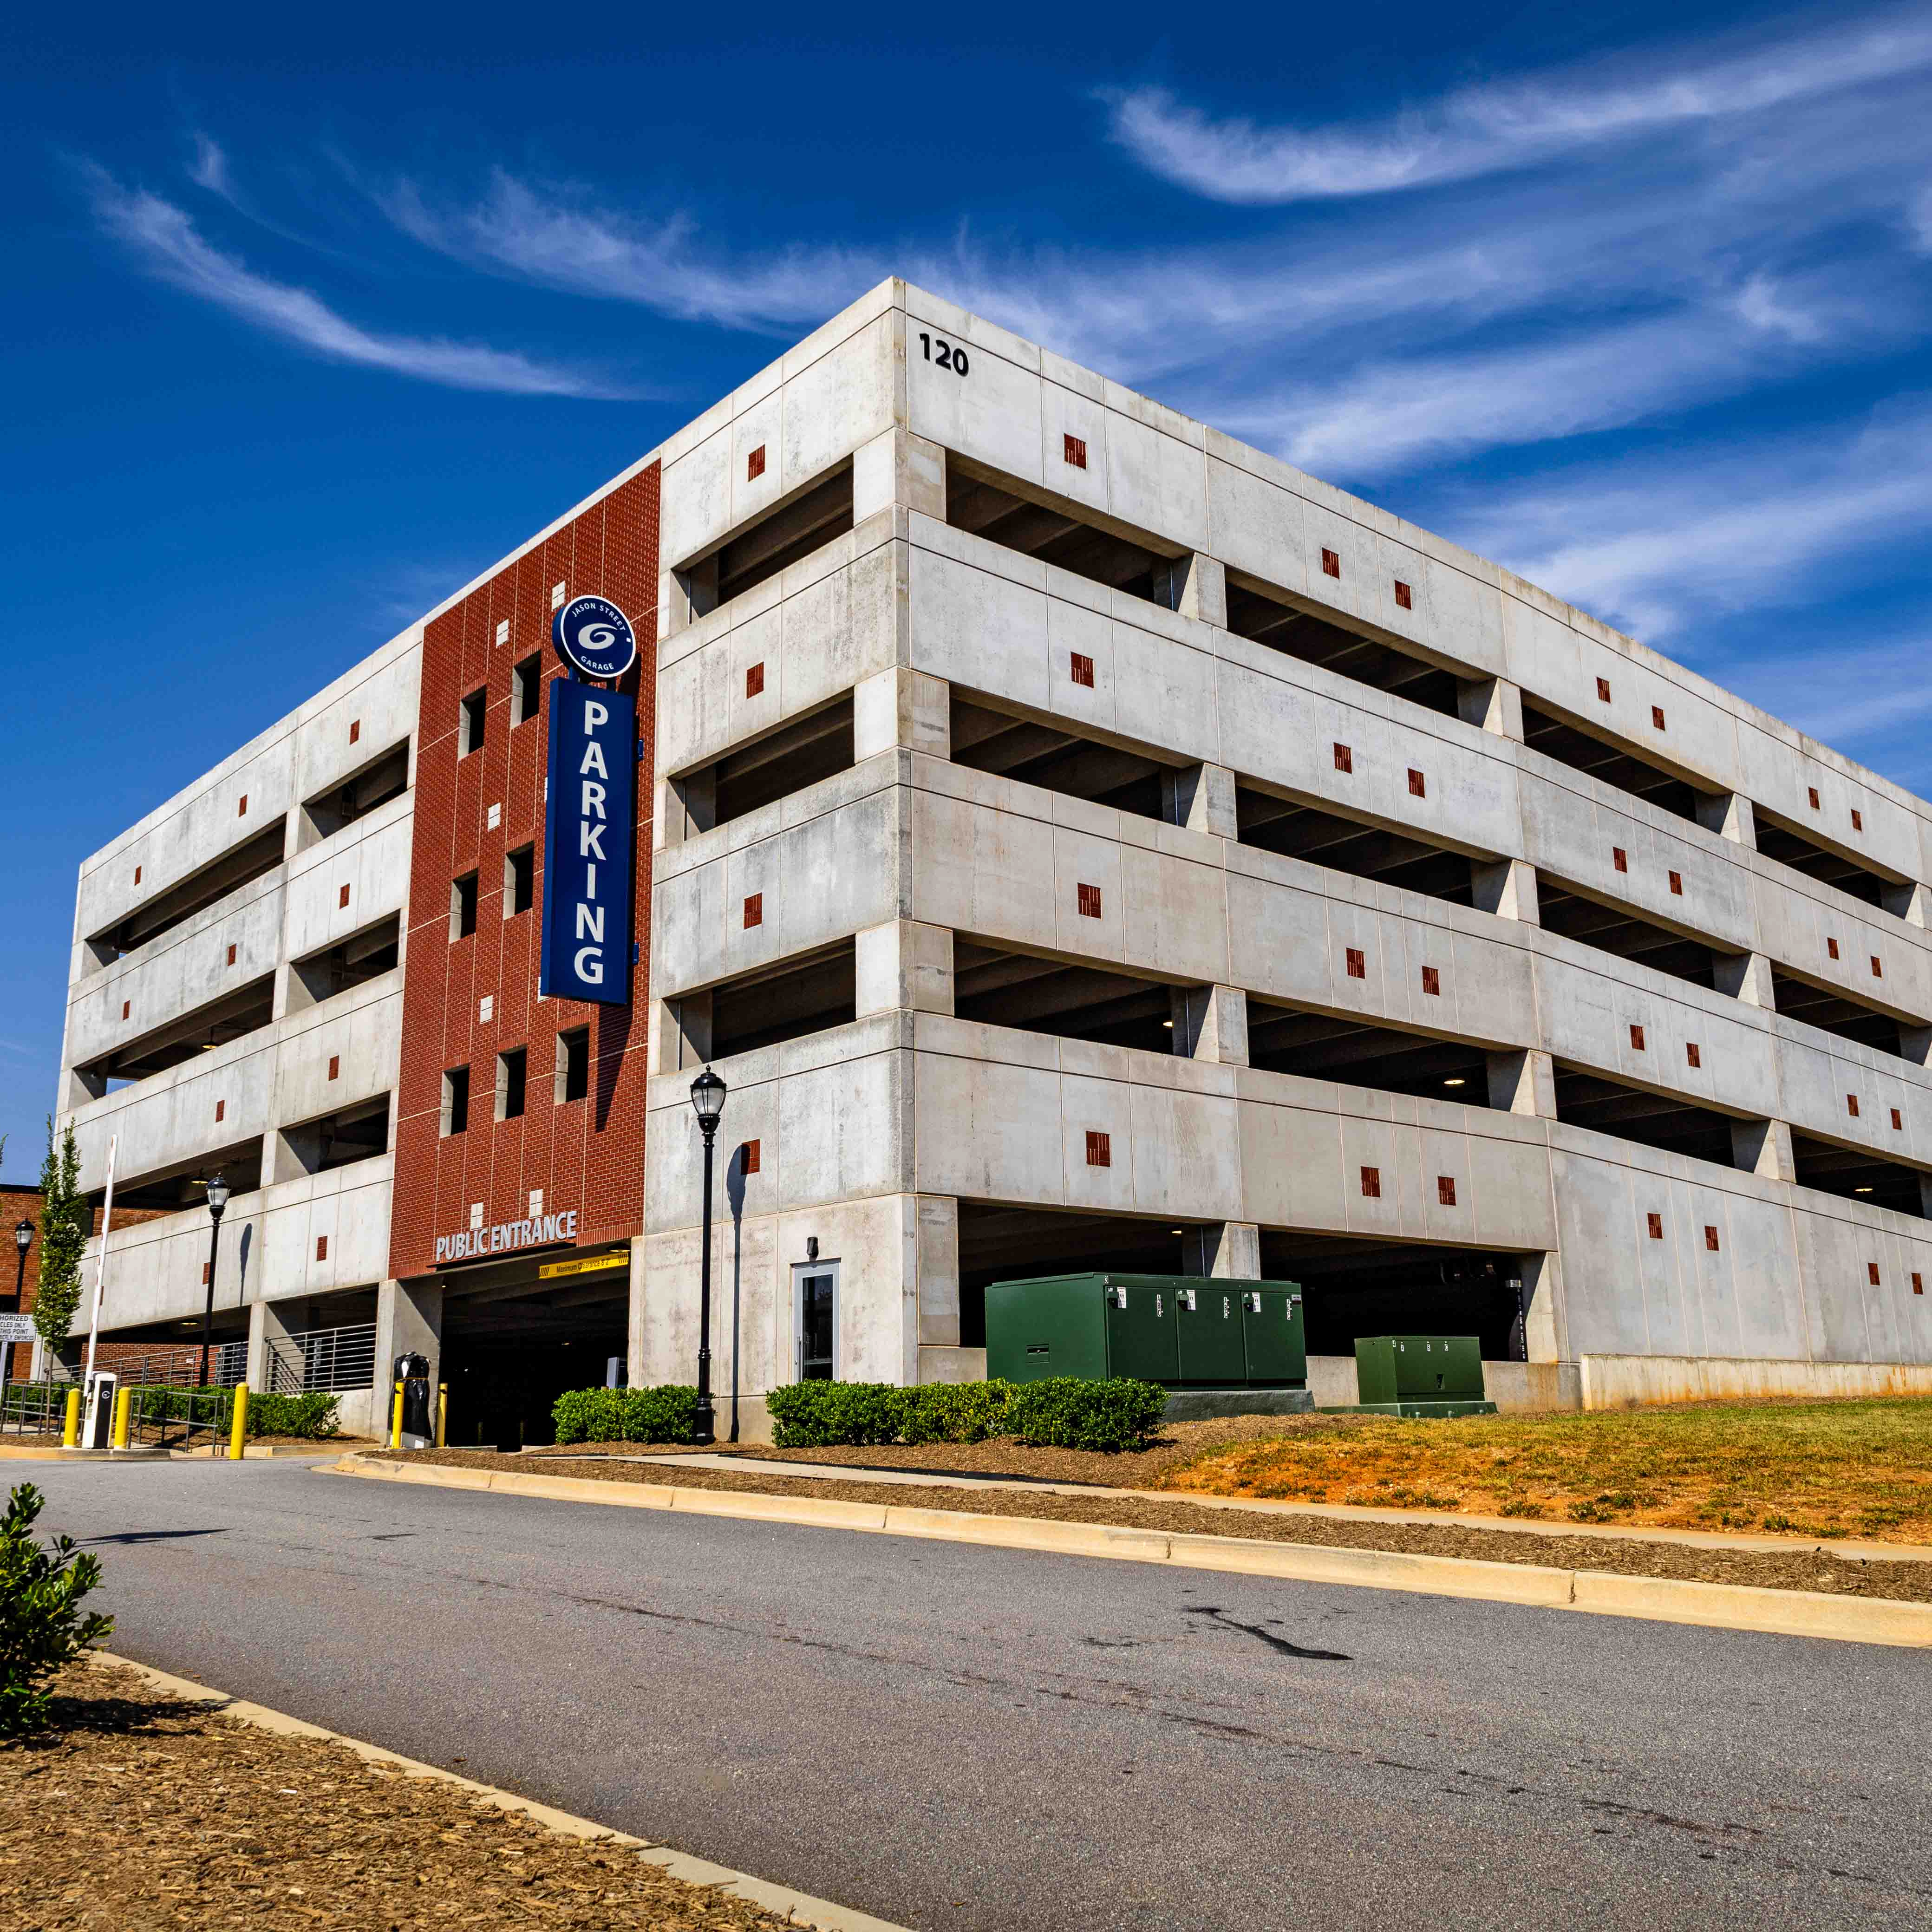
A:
(780, 1899)
(1601, 1593)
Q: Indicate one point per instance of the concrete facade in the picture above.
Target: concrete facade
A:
(1054, 801)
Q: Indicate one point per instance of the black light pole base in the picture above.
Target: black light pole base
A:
(705, 1429)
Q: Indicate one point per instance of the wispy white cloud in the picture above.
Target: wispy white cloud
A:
(1918, 217)
(166, 242)
(565, 240)
(1525, 311)
(1481, 131)
(1389, 416)
(1848, 694)
(209, 168)
(1655, 545)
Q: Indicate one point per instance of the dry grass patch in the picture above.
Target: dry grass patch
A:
(1801, 1469)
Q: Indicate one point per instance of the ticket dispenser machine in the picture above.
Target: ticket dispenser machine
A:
(418, 1429)
(97, 1410)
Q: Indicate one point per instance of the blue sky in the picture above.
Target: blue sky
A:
(310, 317)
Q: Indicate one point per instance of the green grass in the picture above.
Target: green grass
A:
(1797, 1469)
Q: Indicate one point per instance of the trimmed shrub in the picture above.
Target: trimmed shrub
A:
(818, 1415)
(40, 1628)
(953, 1411)
(311, 1416)
(666, 1414)
(1063, 1412)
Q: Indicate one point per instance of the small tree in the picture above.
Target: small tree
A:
(41, 1628)
(66, 1222)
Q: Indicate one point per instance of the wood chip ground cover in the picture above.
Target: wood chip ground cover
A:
(1798, 1569)
(140, 1809)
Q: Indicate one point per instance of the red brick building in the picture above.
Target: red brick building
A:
(550, 1092)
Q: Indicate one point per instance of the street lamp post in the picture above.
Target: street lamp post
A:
(707, 1099)
(217, 1201)
(23, 1240)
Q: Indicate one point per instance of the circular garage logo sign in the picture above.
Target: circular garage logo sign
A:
(594, 637)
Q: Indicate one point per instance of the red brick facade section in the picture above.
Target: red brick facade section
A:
(588, 1154)
(23, 1204)
(17, 1204)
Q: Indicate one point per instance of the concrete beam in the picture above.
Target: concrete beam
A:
(1210, 1023)
(686, 806)
(1522, 1082)
(899, 468)
(1230, 1250)
(1745, 977)
(1763, 1148)
(1200, 797)
(1494, 704)
(1196, 586)
(1912, 902)
(901, 708)
(681, 1038)
(904, 964)
(1728, 814)
(686, 596)
(1507, 888)
(937, 1262)
(1546, 1326)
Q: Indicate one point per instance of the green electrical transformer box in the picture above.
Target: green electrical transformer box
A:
(1187, 1331)
(1421, 1375)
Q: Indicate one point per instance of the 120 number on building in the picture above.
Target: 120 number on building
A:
(945, 354)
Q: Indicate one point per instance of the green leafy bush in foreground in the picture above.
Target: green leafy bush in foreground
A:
(1062, 1412)
(41, 1628)
(666, 1414)
(311, 1416)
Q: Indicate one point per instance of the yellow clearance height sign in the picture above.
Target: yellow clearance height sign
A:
(589, 1265)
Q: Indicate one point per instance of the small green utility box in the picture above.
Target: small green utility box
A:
(1187, 1331)
(1421, 1375)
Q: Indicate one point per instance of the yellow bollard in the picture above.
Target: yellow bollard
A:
(396, 1420)
(123, 1401)
(238, 1436)
(442, 1413)
(70, 1434)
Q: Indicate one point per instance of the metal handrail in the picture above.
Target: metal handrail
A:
(33, 1408)
(323, 1358)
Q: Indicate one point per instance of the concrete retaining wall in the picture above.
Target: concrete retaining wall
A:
(1630, 1382)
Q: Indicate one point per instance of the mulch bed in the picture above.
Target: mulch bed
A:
(136, 1809)
(1178, 1444)
(1800, 1569)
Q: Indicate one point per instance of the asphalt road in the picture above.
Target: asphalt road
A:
(954, 1737)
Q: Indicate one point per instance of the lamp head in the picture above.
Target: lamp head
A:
(707, 1098)
(218, 1196)
(23, 1235)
